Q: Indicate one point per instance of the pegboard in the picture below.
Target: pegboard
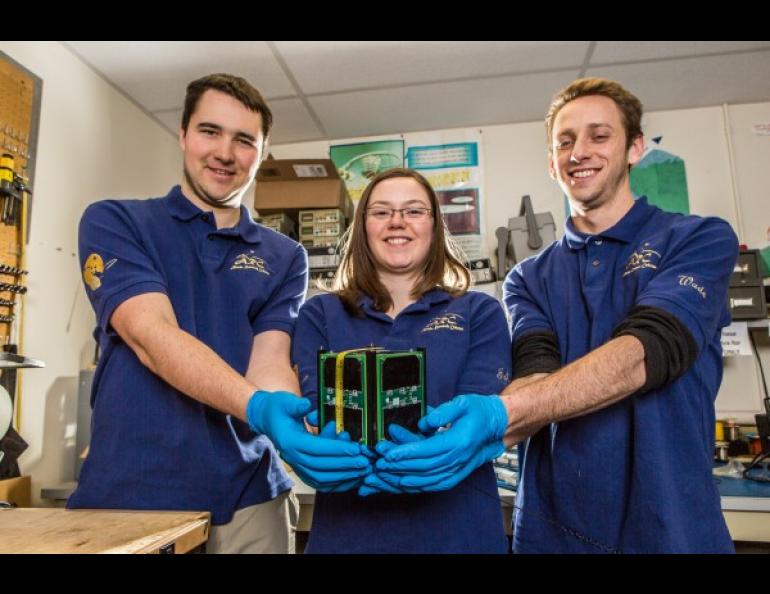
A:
(20, 92)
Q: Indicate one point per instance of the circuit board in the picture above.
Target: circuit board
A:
(376, 387)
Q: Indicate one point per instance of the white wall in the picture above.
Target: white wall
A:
(93, 143)
(515, 163)
(725, 165)
(751, 159)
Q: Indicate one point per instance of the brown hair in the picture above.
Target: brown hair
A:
(630, 107)
(235, 86)
(357, 274)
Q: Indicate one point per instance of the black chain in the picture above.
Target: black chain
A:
(575, 534)
(569, 531)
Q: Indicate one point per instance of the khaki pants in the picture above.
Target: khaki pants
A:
(265, 528)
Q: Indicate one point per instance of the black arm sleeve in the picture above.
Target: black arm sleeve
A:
(669, 348)
(536, 352)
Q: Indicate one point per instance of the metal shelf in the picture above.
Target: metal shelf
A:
(11, 361)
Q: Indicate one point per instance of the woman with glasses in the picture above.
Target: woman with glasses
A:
(402, 285)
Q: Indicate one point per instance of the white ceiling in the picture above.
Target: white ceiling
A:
(322, 90)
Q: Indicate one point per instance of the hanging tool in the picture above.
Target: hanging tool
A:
(7, 188)
(21, 185)
(21, 289)
(5, 269)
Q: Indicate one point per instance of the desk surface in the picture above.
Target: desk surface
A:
(55, 530)
(739, 494)
(739, 511)
(729, 488)
(741, 500)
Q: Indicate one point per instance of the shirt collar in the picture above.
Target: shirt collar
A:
(184, 210)
(247, 228)
(179, 206)
(624, 231)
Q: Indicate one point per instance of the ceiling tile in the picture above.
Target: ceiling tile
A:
(695, 82)
(411, 86)
(156, 73)
(326, 66)
(611, 52)
(171, 119)
(440, 105)
(292, 122)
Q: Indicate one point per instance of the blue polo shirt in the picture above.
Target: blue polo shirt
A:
(467, 350)
(153, 447)
(634, 477)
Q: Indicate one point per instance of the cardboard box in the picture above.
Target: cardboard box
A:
(291, 185)
(17, 490)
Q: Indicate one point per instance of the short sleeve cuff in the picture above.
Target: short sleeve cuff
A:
(111, 303)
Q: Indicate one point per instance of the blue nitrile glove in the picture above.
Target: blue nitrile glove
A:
(325, 464)
(330, 432)
(440, 462)
(312, 420)
(373, 483)
(400, 435)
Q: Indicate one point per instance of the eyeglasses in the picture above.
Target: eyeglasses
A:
(413, 213)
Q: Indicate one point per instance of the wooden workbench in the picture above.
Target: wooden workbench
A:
(55, 530)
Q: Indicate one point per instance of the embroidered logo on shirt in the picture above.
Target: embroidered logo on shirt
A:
(641, 258)
(249, 261)
(450, 321)
(93, 267)
(503, 375)
(689, 281)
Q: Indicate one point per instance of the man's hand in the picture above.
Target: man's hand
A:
(477, 425)
(325, 463)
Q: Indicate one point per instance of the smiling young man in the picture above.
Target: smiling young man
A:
(195, 304)
(641, 350)
(616, 357)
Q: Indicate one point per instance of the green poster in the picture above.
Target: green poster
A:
(360, 162)
(765, 254)
(661, 177)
